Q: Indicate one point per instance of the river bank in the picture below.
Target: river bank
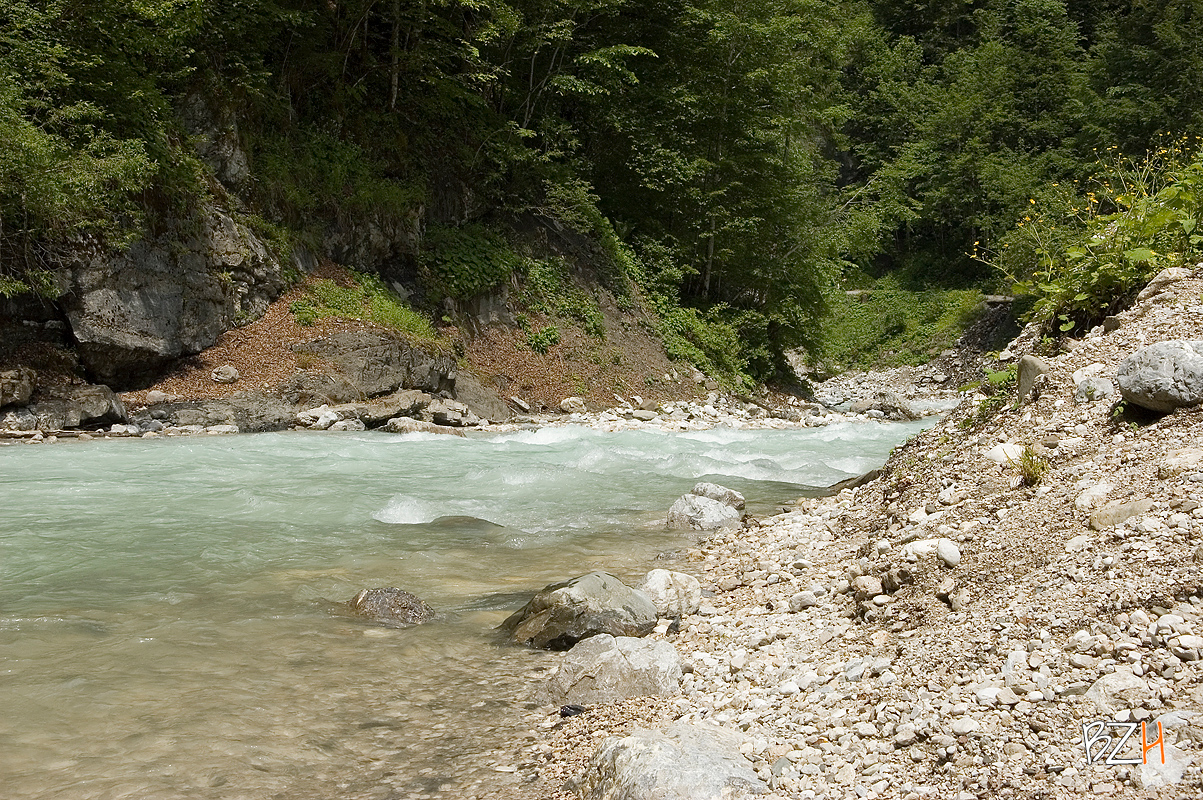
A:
(947, 629)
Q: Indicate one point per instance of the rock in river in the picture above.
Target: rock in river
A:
(391, 606)
(605, 669)
(685, 762)
(564, 613)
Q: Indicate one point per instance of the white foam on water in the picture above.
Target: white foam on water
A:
(408, 510)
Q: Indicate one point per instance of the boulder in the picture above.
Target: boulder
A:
(408, 425)
(18, 419)
(674, 594)
(691, 512)
(889, 404)
(133, 311)
(368, 363)
(98, 405)
(573, 405)
(1030, 367)
(687, 761)
(1091, 389)
(1118, 690)
(16, 386)
(390, 606)
(564, 613)
(56, 415)
(605, 669)
(225, 374)
(250, 412)
(450, 413)
(1118, 511)
(1176, 462)
(1162, 280)
(719, 493)
(1163, 376)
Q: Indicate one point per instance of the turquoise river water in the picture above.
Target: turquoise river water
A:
(169, 619)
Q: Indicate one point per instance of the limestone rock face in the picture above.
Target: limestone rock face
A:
(16, 386)
(604, 669)
(1163, 376)
(368, 363)
(391, 606)
(133, 312)
(674, 594)
(564, 613)
(687, 761)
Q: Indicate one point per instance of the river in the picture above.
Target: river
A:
(169, 618)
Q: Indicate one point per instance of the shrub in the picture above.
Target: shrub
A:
(543, 339)
(1085, 254)
(466, 261)
(367, 298)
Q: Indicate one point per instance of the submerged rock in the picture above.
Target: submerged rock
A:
(564, 613)
(391, 606)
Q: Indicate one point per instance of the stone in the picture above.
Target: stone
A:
(98, 405)
(719, 493)
(409, 425)
(948, 552)
(1162, 280)
(674, 594)
(1004, 453)
(450, 413)
(390, 606)
(18, 419)
(56, 415)
(16, 386)
(1093, 496)
(1030, 367)
(691, 512)
(348, 425)
(1118, 690)
(573, 405)
(687, 761)
(1163, 376)
(1118, 511)
(643, 415)
(865, 587)
(368, 363)
(802, 600)
(132, 311)
(1092, 389)
(224, 374)
(563, 613)
(520, 404)
(154, 397)
(605, 669)
(1179, 461)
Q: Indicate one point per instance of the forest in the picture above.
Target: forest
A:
(740, 162)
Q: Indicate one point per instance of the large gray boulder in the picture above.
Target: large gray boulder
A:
(707, 507)
(98, 405)
(390, 606)
(687, 761)
(134, 311)
(564, 613)
(605, 669)
(371, 362)
(1163, 376)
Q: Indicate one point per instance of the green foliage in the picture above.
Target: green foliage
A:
(1088, 254)
(548, 287)
(1032, 467)
(466, 261)
(890, 325)
(366, 299)
(543, 339)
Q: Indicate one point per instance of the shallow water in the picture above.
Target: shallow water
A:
(169, 619)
